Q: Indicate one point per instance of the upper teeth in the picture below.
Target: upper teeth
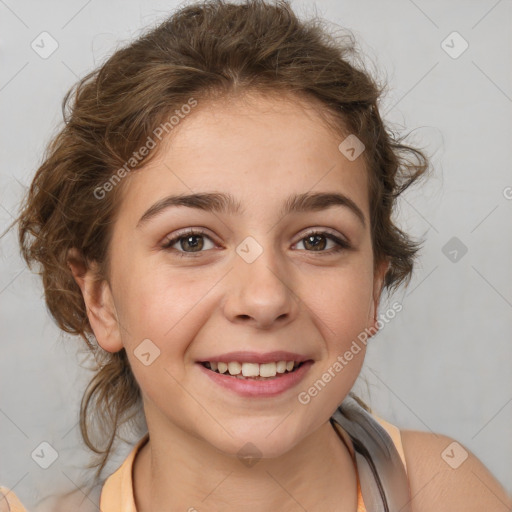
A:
(253, 369)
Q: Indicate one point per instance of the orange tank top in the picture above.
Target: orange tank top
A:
(117, 491)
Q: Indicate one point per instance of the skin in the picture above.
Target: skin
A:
(260, 149)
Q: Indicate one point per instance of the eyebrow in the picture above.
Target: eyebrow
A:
(226, 204)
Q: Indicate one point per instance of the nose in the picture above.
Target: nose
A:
(260, 293)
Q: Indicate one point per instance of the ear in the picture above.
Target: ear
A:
(98, 300)
(378, 284)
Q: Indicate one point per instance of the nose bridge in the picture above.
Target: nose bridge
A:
(259, 292)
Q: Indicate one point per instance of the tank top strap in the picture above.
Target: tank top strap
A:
(346, 440)
(394, 433)
(360, 502)
(383, 485)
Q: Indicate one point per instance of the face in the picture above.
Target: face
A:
(260, 280)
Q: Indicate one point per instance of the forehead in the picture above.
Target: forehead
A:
(259, 148)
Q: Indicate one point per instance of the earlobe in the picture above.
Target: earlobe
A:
(99, 302)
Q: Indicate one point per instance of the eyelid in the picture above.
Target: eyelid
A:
(323, 231)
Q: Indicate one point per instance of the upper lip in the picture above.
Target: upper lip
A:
(255, 357)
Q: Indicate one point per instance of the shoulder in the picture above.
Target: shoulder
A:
(444, 476)
(9, 501)
(76, 500)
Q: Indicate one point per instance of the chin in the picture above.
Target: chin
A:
(257, 443)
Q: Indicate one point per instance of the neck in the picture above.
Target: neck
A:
(190, 475)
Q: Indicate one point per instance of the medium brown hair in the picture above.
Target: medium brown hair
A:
(205, 49)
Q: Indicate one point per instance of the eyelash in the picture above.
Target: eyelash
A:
(340, 244)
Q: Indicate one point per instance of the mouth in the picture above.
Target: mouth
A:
(253, 380)
(253, 374)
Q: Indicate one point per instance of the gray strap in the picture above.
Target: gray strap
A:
(382, 476)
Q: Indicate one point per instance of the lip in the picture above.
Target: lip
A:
(255, 357)
(258, 388)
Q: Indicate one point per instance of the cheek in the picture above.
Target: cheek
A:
(342, 301)
(341, 315)
(162, 314)
(159, 303)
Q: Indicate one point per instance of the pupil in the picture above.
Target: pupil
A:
(315, 244)
(192, 245)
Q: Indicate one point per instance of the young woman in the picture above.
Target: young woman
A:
(215, 221)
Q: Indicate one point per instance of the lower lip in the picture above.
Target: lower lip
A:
(259, 388)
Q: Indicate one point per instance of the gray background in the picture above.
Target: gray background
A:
(442, 365)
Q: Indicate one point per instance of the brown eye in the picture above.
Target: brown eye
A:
(315, 242)
(318, 241)
(194, 242)
(190, 242)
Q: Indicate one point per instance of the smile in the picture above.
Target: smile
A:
(255, 381)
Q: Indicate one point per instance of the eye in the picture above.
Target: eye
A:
(317, 240)
(189, 242)
(192, 241)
